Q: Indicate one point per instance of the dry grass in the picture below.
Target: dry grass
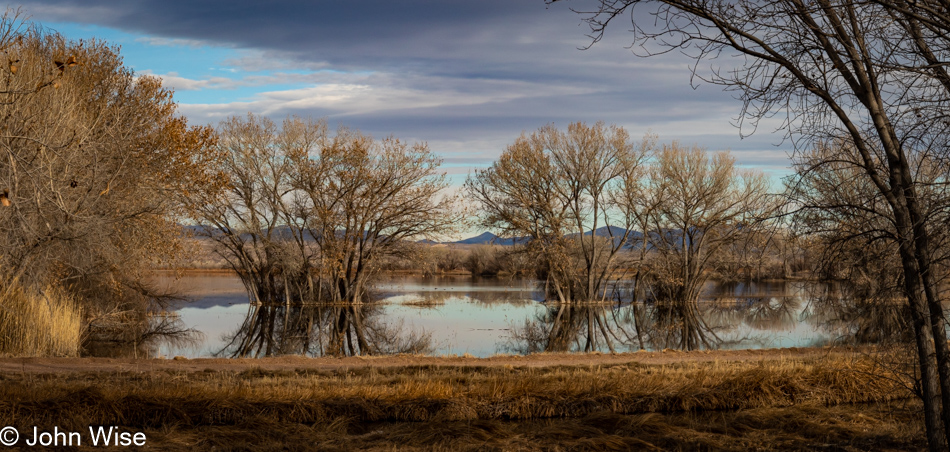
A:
(38, 324)
(878, 427)
(734, 405)
(425, 302)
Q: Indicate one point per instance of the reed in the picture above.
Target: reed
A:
(44, 323)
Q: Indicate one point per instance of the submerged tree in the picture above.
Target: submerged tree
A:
(554, 188)
(247, 216)
(308, 216)
(362, 200)
(692, 207)
(873, 72)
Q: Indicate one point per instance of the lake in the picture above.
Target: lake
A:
(459, 315)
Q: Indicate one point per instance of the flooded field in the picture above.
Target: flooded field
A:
(460, 315)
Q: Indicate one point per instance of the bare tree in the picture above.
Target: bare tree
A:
(92, 162)
(362, 200)
(306, 216)
(851, 225)
(868, 71)
(692, 207)
(249, 217)
(554, 188)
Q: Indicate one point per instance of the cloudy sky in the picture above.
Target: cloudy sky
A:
(467, 77)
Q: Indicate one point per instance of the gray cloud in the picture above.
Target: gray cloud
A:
(466, 76)
(404, 34)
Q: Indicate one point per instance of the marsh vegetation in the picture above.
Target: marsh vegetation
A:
(102, 181)
(775, 403)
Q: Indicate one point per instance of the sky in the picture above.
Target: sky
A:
(467, 77)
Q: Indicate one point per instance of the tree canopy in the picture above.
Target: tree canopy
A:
(93, 159)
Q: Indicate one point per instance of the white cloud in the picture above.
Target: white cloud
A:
(355, 94)
(253, 60)
(174, 81)
(171, 42)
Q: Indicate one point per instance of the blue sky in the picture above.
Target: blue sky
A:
(466, 77)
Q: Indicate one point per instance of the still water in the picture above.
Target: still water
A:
(459, 315)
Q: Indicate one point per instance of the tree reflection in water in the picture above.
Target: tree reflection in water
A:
(567, 328)
(679, 325)
(647, 326)
(767, 313)
(138, 335)
(859, 315)
(721, 319)
(321, 330)
(743, 315)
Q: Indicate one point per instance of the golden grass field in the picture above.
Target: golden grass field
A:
(802, 400)
(48, 323)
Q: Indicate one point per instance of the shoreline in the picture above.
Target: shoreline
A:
(454, 273)
(297, 362)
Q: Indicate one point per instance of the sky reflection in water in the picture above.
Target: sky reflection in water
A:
(482, 317)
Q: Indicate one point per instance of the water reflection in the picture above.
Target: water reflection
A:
(759, 313)
(677, 324)
(565, 328)
(321, 331)
(859, 316)
(727, 316)
(483, 316)
(138, 335)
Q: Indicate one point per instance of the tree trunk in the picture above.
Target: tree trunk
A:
(930, 380)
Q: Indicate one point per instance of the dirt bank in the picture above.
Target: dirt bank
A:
(58, 365)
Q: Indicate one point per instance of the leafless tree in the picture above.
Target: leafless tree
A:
(853, 231)
(873, 72)
(362, 200)
(691, 208)
(92, 161)
(304, 215)
(249, 216)
(554, 188)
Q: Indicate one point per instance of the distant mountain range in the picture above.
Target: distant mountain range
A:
(487, 238)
